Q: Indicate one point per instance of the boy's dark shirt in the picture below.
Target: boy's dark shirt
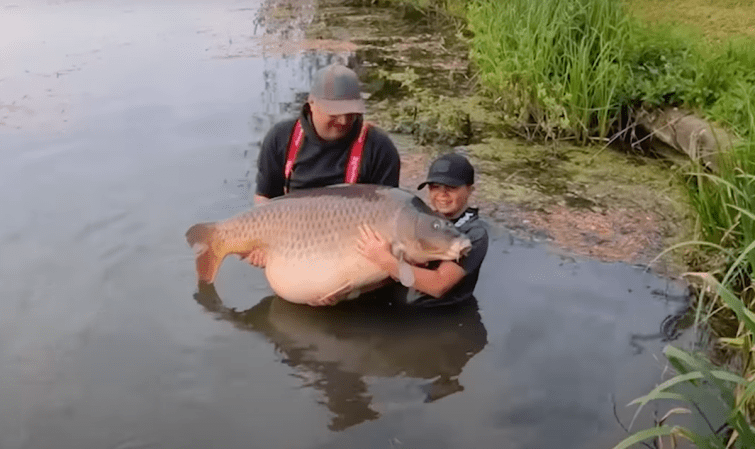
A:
(322, 163)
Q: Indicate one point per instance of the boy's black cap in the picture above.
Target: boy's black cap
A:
(451, 169)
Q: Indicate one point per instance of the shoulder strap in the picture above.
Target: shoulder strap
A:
(352, 165)
(294, 144)
(355, 156)
(469, 215)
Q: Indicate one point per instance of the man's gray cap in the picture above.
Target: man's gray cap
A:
(336, 90)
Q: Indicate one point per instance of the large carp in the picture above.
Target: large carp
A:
(309, 239)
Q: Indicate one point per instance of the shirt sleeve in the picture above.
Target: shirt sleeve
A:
(384, 164)
(473, 260)
(270, 162)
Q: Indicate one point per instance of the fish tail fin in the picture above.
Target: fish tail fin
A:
(200, 237)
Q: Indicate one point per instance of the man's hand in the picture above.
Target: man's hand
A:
(257, 258)
(259, 200)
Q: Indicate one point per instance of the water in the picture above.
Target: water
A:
(124, 123)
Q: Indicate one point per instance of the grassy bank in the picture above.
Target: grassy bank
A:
(717, 21)
(580, 70)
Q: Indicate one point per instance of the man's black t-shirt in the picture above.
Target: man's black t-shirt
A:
(321, 163)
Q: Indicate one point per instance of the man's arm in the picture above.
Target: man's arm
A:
(473, 260)
(270, 176)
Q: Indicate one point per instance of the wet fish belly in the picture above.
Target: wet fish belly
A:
(301, 280)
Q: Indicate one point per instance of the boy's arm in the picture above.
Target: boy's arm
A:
(435, 283)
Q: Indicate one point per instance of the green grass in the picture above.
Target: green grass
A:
(454, 7)
(555, 66)
(716, 21)
(725, 203)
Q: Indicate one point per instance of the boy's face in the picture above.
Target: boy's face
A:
(449, 200)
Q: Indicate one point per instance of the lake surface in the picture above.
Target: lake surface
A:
(122, 123)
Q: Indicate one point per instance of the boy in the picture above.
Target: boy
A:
(450, 181)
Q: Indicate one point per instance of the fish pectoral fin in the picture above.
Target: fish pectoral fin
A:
(354, 294)
(405, 272)
(397, 249)
(342, 292)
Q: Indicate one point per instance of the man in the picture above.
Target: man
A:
(451, 182)
(328, 144)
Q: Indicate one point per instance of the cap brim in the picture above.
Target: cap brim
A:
(340, 107)
(445, 180)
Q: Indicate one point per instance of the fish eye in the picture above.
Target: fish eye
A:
(436, 225)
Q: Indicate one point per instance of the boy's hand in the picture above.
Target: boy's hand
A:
(375, 248)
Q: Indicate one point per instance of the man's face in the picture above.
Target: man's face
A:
(330, 127)
(450, 201)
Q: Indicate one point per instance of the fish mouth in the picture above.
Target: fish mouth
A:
(460, 248)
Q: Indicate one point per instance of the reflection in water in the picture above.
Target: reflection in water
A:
(334, 348)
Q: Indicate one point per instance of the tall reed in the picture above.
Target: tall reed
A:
(725, 203)
(732, 386)
(555, 63)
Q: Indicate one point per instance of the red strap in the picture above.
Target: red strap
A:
(352, 165)
(294, 144)
(355, 157)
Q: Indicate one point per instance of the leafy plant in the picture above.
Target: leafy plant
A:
(557, 65)
(734, 391)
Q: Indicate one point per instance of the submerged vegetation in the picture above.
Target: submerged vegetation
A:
(582, 70)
